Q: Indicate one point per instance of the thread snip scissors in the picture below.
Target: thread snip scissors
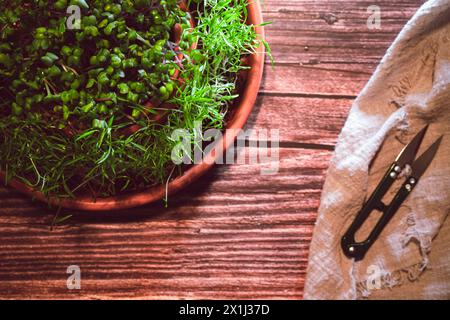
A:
(358, 250)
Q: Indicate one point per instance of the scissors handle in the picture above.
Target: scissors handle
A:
(357, 250)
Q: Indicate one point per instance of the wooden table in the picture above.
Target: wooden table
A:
(235, 233)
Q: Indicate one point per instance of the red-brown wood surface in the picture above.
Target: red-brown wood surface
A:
(235, 233)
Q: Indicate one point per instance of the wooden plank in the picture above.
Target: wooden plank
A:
(328, 43)
(316, 80)
(299, 120)
(236, 235)
(303, 23)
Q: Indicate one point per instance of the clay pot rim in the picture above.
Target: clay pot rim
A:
(146, 196)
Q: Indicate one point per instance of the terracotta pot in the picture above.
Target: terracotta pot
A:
(138, 198)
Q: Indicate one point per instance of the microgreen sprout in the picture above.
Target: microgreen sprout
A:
(69, 97)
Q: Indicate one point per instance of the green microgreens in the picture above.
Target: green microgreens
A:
(63, 130)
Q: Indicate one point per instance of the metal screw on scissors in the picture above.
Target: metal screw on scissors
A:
(357, 250)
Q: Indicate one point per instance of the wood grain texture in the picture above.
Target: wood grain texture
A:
(235, 233)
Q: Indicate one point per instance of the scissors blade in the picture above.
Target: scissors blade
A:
(421, 164)
(409, 152)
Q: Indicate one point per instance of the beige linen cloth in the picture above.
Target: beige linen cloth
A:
(411, 258)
